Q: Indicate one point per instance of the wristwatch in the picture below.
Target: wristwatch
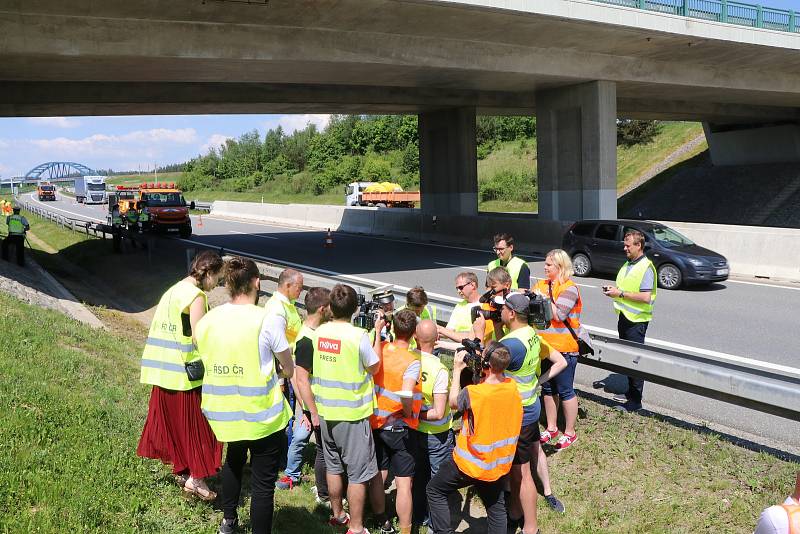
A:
(622, 294)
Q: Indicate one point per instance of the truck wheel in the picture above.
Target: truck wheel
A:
(186, 233)
(381, 204)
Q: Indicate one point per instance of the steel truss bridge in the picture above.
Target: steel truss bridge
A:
(57, 171)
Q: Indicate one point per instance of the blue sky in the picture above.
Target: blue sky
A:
(126, 143)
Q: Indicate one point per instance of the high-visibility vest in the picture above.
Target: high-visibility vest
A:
(144, 216)
(116, 218)
(527, 376)
(431, 366)
(513, 267)
(557, 334)
(241, 400)
(343, 390)
(286, 309)
(132, 216)
(635, 311)
(15, 225)
(793, 511)
(167, 349)
(388, 381)
(486, 445)
(461, 317)
(428, 312)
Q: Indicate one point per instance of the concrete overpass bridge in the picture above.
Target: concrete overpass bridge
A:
(576, 64)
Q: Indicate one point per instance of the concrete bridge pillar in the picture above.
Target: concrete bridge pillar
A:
(448, 162)
(577, 151)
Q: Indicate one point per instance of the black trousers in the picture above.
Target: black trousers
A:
(265, 454)
(450, 479)
(320, 473)
(635, 332)
(18, 242)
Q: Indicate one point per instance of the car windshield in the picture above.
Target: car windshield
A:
(348, 190)
(48, 188)
(97, 187)
(669, 238)
(165, 200)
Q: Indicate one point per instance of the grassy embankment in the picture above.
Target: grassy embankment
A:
(71, 409)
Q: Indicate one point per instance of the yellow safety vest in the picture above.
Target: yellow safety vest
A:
(286, 309)
(428, 312)
(430, 368)
(15, 225)
(461, 318)
(167, 349)
(635, 311)
(241, 401)
(527, 376)
(343, 391)
(514, 266)
(144, 217)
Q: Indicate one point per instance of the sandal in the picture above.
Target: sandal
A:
(203, 494)
(181, 480)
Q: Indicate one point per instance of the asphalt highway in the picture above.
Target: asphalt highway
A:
(740, 318)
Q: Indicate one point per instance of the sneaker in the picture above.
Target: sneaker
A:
(228, 526)
(555, 504)
(629, 406)
(565, 441)
(287, 483)
(548, 435)
(388, 528)
(620, 397)
(324, 501)
(339, 521)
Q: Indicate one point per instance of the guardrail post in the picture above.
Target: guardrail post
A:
(642, 5)
(791, 20)
(72, 226)
(685, 8)
(759, 16)
(723, 14)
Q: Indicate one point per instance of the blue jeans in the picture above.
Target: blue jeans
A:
(294, 458)
(432, 451)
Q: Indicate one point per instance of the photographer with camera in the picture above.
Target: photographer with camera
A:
(486, 444)
(342, 368)
(517, 267)
(399, 400)
(486, 318)
(460, 324)
(527, 352)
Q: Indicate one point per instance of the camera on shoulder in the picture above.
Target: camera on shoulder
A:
(370, 310)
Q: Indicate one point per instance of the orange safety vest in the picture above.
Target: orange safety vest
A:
(793, 511)
(389, 381)
(486, 445)
(557, 335)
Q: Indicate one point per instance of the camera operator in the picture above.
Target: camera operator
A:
(460, 324)
(498, 282)
(486, 444)
(527, 351)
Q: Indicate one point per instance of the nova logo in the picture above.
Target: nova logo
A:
(329, 345)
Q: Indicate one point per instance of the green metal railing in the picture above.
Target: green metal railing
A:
(753, 15)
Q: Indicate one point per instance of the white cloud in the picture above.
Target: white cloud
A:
(215, 141)
(291, 123)
(147, 142)
(57, 122)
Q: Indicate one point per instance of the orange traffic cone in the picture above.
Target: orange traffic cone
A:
(329, 239)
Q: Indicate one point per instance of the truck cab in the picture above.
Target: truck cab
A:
(353, 193)
(167, 207)
(46, 191)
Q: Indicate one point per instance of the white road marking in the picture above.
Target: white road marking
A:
(777, 286)
(251, 235)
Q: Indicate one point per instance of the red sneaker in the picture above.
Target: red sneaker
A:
(339, 521)
(565, 441)
(548, 435)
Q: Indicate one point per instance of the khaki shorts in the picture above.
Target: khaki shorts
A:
(348, 447)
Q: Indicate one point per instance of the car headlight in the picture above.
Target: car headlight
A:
(696, 262)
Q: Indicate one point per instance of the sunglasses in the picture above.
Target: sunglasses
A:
(461, 287)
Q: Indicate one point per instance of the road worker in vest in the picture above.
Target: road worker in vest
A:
(17, 226)
(782, 518)
(282, 304)
(242, 348)
(399, 400)
(417, 302)
(634, 296)
(132, 217)
(318, 310)
(175, 431)
(486, 444)
(526, 354)
(344, 394)
(516, 267)
(116, 227)
(460, 324)
(434, 436)
(144, 217)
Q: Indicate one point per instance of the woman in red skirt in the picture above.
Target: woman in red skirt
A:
(176, 432)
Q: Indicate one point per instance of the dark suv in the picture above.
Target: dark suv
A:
(596, 245)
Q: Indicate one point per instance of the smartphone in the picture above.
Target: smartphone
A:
(606, 289)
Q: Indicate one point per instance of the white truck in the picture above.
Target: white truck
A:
(91, 189)
(380, 194)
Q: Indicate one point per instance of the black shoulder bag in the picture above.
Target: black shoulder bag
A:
(584, 348)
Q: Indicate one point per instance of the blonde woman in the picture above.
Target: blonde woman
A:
(565, 299)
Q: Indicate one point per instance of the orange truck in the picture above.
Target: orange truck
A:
(167, 207)
(380, 194)
(46, 191)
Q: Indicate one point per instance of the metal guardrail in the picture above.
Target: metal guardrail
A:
(763, 387)
(202, 206)
(90, 228)
(730, 12)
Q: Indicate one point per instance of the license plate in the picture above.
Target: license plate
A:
(175, 230)
(722, 271)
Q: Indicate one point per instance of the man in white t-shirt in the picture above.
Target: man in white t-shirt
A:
(782, 518)
(434, 437)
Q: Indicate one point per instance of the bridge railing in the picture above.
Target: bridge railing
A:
(730, 12)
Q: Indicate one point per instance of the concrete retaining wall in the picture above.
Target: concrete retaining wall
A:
(751, 250)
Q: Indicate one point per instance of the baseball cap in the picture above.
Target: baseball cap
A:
(518, 303)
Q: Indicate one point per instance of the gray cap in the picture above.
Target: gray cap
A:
(518, 303)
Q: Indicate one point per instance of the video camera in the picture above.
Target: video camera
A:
(370, 310)
(539, 311)
(489, 307)
(474, 358)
